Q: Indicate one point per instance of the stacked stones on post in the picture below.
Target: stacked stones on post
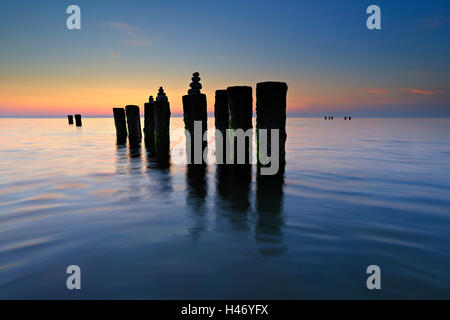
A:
(195, 110)
(149, 124)
(162, 123)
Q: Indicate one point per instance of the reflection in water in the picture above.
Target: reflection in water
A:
(196, 197)
(121, 159)
(159, 167)
(135, 160)
(233, 186)
(269, 204)
(233, 194)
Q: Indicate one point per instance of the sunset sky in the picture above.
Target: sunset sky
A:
(126, 49)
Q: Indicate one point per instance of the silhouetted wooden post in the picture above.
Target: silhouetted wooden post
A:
(121, 125)
(240, 108)
(195, 110)
(222, 123)
(345, 118)
(149, 124)
(134, 125)
(78, 120)
(70, 119)
(162, 124)
(271, 114)
(349, 118)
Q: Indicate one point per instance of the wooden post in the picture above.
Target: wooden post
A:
(240, 108)
(78, 120)
(121, 125)
(149, 124)
(162, 124)
(271, 114)
(70, 118)
(134, 125)
(221, 121)
(194, 109)
(221, 110)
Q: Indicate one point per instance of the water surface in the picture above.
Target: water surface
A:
(354, 193)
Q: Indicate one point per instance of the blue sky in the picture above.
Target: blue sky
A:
(322, 49)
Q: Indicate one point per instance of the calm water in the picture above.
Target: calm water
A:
(355, 193)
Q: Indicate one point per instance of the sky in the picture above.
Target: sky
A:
(333, 64)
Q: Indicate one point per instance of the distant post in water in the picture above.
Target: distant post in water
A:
(271, 114)
(240, 108)
(78, 120)
(195, 109)
(134, 125)
(149, 124)
(162, 124)
(70, 119)
(121, 125)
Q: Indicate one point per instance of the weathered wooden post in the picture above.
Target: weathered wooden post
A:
(134, 125)
(162, 124)
(222, 124)
(271, 114)
(195, 111)
(240, 108)
(121, 125)
(70, 119)
(78, 120)
(149, 124)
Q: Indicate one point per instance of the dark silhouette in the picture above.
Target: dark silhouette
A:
(78, 120)
(70, 119)
(162, 124)
(221, 122)
(121, 125)
(271, 113)
(149, 124)
(195, 109)
(134, 125)
(240, 108)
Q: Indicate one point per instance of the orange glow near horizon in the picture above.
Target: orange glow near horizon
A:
(97, 96)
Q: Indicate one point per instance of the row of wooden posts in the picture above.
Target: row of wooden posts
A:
(233, 109)
(77, 119)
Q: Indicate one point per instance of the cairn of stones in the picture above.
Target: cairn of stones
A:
(195, 110)
(162, 123)
(149, 124)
